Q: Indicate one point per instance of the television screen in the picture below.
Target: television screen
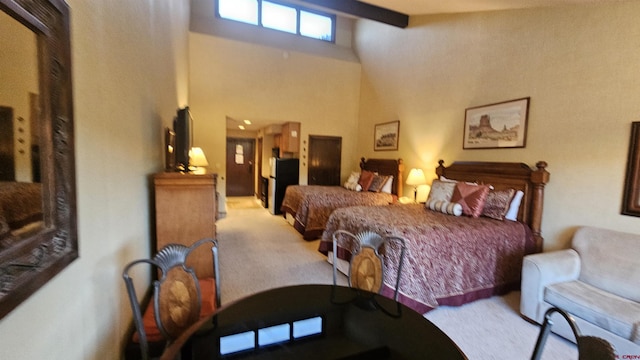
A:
(182, 130)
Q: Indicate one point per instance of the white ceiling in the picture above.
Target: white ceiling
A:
(421, 7)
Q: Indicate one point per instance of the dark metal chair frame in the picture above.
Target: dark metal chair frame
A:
(169, 257)
(589, 347)
(371, 240)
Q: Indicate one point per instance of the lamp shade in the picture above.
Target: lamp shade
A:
(416, 177)
(197, 158)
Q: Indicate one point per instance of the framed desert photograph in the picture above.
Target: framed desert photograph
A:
(631, 197)
(385, 136)
(499, 125)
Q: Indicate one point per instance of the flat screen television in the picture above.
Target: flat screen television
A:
(182, 125)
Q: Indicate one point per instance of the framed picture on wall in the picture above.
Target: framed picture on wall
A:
(499, 125)
(385, 136)
(631, 196)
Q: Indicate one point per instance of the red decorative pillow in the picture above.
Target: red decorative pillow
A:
(470, 197)
(366, 178)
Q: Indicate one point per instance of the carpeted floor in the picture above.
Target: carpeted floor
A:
(243, 202)
(259, 251)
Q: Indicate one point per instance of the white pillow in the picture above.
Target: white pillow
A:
(444, 207)
(514, 207)
(388, 186)
(442, 178)
(352, 182)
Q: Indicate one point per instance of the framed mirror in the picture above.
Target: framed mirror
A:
(38, 229)
(631, 196)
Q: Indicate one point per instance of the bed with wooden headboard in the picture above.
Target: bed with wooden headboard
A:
(308, 207)
(453, 260)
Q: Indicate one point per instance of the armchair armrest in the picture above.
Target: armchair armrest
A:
(541, 270)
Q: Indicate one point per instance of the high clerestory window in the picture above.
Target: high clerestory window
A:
(279, 16)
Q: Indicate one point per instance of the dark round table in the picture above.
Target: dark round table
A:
(315, 322)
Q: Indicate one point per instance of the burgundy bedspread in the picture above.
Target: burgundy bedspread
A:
(449, 260)
(311, 205)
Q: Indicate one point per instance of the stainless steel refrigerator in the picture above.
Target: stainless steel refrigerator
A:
(284, 172)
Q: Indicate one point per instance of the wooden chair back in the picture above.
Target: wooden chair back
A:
(178, 295)
(367, 268)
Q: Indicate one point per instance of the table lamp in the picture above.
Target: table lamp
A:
(197, 160)
(416, 178)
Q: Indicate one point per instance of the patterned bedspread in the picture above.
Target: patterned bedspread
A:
(20, 203)
(449, 260)
(311, 205)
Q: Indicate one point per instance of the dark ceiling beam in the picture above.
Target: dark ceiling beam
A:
(364, 10)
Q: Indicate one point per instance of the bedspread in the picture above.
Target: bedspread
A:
(449, 260)
(21, 202)
(311, 205)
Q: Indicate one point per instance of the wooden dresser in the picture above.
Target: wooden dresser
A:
(186, 211)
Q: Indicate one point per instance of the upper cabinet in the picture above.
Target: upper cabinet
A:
(290, 139)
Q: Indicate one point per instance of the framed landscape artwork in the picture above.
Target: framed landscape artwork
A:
(499, 125)
(631, 197)
(385, 136)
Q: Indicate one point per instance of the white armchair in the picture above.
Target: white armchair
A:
(596, 281)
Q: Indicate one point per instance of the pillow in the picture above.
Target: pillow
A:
(353, 178)
(377, 183)
(471, 197)
(353, 186)
(366, 178)
(497, 203)
(444, 207)
(388, 186)
(352, 182)
(442, 178)
(514, 207)
(441, 190)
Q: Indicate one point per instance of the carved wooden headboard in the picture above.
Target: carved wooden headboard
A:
(502, 176)
(393, 167)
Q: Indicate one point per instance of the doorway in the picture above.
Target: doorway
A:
(325, 153)
(7, 160)
(240, 166)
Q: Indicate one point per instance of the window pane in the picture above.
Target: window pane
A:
(316, 26)
(279, 17)
(239, 10)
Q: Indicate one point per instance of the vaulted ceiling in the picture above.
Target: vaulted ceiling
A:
(419, 7)
(397, 12)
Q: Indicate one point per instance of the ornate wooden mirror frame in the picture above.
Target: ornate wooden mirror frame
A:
(631, 196)
(35, 259)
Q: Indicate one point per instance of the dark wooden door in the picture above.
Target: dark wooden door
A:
(240, 166)
(325, 154)
(7, 161)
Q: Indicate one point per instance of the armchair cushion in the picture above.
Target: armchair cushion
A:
(611, 312)
(610, 260)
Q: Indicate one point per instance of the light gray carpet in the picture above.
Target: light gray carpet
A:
(243, 202)
(259, 251)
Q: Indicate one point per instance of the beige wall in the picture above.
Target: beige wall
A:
(131, 65)
(19, 68)
(244, 80)
(129, 75)
(579, 66)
